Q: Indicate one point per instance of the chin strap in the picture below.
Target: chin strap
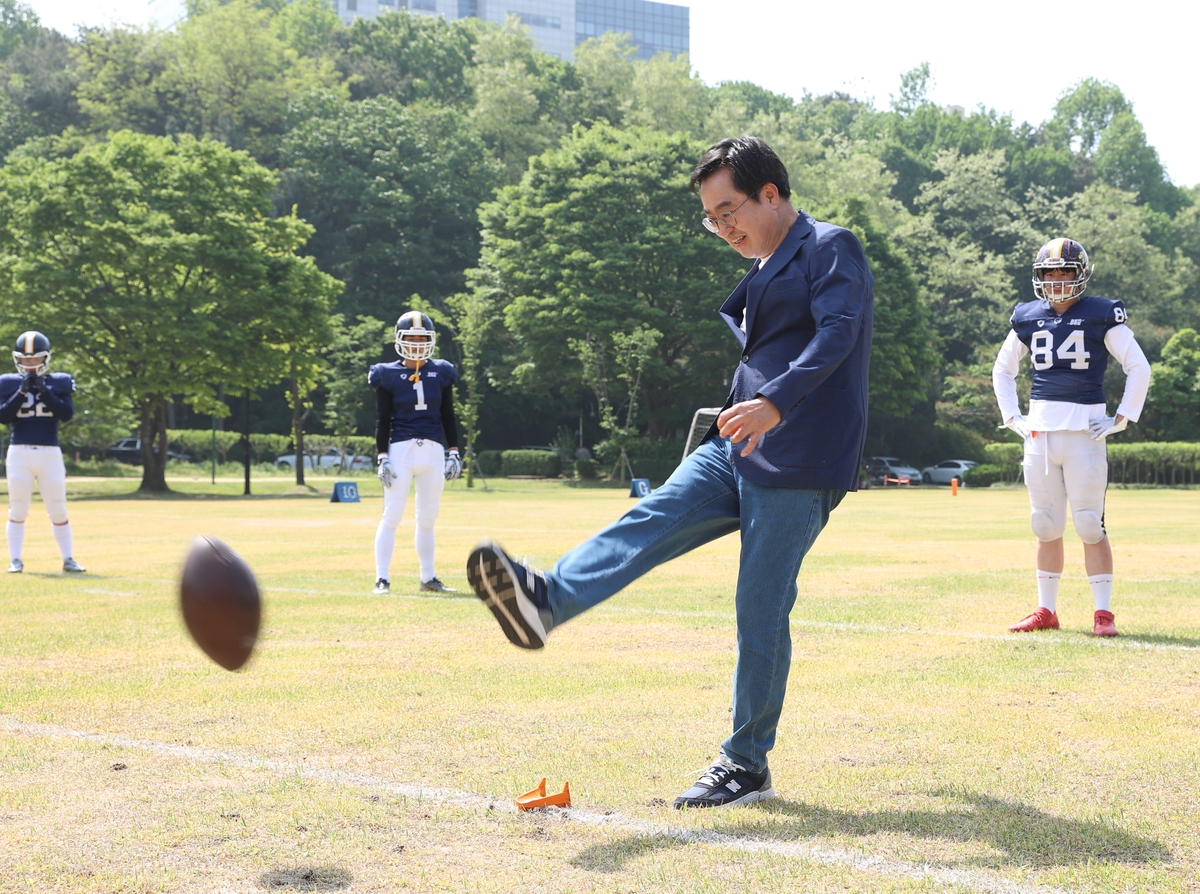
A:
(416, 372)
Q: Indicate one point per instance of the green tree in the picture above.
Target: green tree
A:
(19, 27)
(1174, 400)
(37, 88)
(159, 265)
(408, 57)
(392, 191)
(354, 346)
(601, 237)
(307, 26)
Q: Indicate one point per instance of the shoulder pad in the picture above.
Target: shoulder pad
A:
(61, 381)
(373, 375)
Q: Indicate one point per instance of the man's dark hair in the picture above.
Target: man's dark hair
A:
(752, 163)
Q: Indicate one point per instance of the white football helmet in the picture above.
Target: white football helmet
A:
(32, 345)
(415, 338)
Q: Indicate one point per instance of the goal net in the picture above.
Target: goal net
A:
(701, 420)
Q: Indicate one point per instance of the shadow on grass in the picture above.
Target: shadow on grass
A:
(1025, 835)
(613, 856)
(306, 878)
(1153, 639)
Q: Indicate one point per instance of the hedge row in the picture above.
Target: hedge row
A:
(199, 442)
(1142, 462)
(542, 463)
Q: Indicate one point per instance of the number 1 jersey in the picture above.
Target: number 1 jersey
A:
(416, 406)
(1068, 351)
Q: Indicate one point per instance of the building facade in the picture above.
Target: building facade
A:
(555, 26)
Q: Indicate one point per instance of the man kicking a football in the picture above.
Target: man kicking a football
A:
(414, 402)
(1068, 336)
(797, 413)
(32, 402)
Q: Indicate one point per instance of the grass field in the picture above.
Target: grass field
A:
(376, 744)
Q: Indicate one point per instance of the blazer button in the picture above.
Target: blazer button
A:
(745, 358)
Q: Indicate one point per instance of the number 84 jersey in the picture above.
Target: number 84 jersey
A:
(1068, 350)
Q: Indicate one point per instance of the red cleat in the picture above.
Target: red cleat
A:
(1042, 619)
(1104, 625)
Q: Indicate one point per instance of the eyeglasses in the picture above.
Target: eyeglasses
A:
(725, 218)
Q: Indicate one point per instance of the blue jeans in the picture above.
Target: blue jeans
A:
(705, 499)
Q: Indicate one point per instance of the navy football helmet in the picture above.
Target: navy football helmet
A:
(1061, 254)
(409, 329)
(32, 345)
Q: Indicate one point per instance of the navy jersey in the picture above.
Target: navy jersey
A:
(1068, 351)
(416, 406)
(34, 417)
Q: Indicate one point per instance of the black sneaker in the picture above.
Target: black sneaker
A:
(433, 585)
(726, 784)
(382, 587)
(514, 592)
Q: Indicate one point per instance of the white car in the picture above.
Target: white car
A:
(944, 471)
(330, 459)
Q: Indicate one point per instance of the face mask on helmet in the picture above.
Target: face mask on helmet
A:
(1061, 254)
(415, 338)
(32, 346)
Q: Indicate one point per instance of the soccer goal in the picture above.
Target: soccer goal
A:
(701, 420)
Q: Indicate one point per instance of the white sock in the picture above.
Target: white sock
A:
(1047, 583)
(424, 541)
(62, 533)
(385, 543)
(16, 538)
(1102, 590)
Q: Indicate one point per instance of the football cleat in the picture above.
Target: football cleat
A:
(70, 566)
(1103, 624)
(1042, 619)
(382, 587)
(433, 585)
(515, 593)
(726, 784)
(16, 566)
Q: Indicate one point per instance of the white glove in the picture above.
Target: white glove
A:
(386, 473)
(1020, 425)
(453, 467)
(1109, 425)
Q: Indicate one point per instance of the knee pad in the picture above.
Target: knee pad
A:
(1045, 526)
(18, 509)
(57, 512)
(1089, 526)
(392, 515)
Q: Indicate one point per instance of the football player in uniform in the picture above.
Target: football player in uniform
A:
(32, 403)
(414, 402)
(1068, 337)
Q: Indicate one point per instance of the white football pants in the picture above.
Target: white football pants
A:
(1064, 467)
(423, 462)
(25, 465)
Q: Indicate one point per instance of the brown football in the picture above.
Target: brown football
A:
(220, 602)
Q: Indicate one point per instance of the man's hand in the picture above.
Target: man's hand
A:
(1019, 424)
(30, 383)
(385, 471)
(454, 466)
(1109, 425)
(748, 421)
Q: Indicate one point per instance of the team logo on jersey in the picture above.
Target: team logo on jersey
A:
(1076, 323)
(1041, 323)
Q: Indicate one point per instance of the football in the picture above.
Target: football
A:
(220, 602)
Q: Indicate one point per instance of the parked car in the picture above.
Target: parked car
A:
(330, 459)
(129, 450)
(881, 467)
(944, 471)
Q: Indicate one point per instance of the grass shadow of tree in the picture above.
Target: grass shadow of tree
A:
(613, 855)
(306, 878)
(1025, 835)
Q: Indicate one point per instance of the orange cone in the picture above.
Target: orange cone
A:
(536, 798)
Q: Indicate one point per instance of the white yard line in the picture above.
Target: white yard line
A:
(972, 880)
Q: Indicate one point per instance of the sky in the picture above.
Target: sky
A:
(1016, 57)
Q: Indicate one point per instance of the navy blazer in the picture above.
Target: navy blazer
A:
(806, 348)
